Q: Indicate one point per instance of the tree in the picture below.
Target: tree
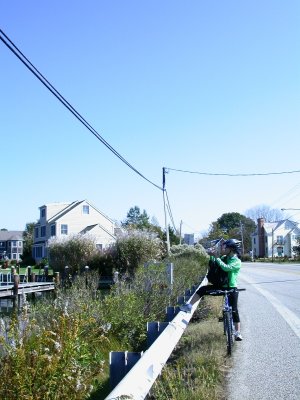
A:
(136, 220)
(266, 212)
(27, 258)
(232, 225)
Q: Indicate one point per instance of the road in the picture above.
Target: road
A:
(266, 364)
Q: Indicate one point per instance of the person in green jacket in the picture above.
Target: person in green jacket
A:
(229, 262)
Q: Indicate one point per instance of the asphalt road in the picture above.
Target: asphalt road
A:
(266, 364)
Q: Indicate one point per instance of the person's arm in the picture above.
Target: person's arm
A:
(234, 263)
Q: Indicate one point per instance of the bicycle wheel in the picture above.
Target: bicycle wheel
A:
(228, 331)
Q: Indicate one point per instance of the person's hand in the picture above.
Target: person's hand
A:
(213, 252)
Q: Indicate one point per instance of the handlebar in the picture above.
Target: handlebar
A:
(220, 292)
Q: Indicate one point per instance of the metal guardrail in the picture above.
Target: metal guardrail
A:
(138, 381)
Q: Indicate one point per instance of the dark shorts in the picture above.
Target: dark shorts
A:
(232, 299)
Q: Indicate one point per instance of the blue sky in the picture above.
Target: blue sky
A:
(203, 86)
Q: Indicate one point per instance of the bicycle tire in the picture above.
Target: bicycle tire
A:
(228, 331)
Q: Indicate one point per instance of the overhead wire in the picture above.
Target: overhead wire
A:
(225, 174)
(170, 211)
(15, 50)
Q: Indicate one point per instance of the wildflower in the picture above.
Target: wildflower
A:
(78, 385)
(57, 346)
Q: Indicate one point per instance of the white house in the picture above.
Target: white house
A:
(61, 219)
(275, 239)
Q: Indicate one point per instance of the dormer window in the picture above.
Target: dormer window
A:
(43, 212)
(85, 209)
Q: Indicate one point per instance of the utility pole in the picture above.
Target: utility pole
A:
(242, 237)
(180, 232)
(273, 245)
(166, 223)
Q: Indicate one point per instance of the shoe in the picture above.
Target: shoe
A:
(238, 336)
(186, 308)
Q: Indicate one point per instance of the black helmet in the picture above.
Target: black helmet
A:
(233, 244)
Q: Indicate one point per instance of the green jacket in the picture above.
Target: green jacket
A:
(232, 265)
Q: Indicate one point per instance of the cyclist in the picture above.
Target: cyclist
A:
(229, 262)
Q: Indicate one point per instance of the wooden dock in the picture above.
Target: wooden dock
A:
(11, 290)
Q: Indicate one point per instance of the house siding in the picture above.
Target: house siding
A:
(275, 239)
(71, 215)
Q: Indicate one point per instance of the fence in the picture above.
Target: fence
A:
(140, 370)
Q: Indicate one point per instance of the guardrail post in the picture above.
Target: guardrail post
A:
(171, 312)
(120, 363)
(154, 329)
(182, 299)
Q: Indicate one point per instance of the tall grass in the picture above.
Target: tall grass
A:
(58, 348)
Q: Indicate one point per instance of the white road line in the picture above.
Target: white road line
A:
(288, 315)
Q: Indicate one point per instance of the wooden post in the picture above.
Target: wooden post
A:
(29, 273)
(16, 279)
(86, 268)
(46, 271)
(56, 278)
(32, 277)
(57, 283)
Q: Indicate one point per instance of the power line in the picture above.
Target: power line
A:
(224, 174)
(5, 39)
(170, 211)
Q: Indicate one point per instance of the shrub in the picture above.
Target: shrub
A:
(134, 248)
(73, 251)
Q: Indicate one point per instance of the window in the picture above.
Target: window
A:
(14, 256)
(85, 209)
(279, 240)
(254, 241)
(280, 251)
(53, 230)
(14, 243)
(2, 244)
(43, 231)
(43, 212)
(64, 229)
(36, 232)
(20, 244)
(38, 252)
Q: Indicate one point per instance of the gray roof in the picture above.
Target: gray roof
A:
(11, 235)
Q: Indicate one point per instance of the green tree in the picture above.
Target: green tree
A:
(136, 220)
(232, 225)
(26, 257)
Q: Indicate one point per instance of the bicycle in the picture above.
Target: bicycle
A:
(228, 324)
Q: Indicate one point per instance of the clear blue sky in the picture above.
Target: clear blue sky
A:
(204, 86)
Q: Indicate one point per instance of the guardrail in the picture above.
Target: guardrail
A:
(138, 381)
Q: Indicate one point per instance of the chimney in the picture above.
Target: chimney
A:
(261, 237)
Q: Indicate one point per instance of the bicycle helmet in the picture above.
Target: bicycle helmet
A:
(233, 244)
